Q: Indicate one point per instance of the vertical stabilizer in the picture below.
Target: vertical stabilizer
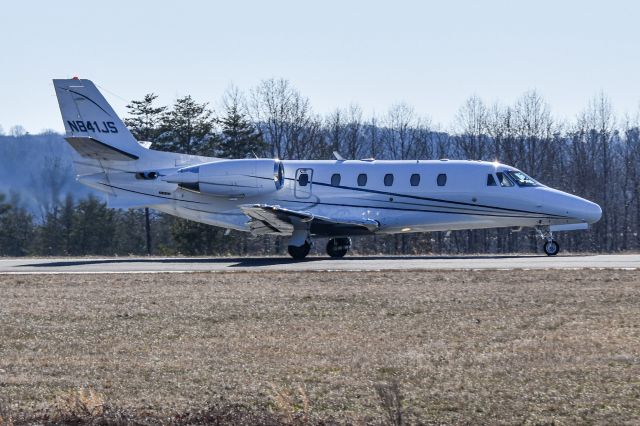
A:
(92, 126)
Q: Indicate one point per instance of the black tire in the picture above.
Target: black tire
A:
(338, 247)
(551, 248)
(299, 253)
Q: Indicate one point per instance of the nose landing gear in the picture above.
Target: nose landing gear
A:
(338, 247)
(551, 246)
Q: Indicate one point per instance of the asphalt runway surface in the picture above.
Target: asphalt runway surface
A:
(355, 263)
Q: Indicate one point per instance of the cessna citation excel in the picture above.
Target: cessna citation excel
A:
(305, 199)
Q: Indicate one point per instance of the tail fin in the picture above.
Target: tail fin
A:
(92, 126)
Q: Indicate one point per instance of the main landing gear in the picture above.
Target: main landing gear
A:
(338, 247)
(551, 246)
(300, 245)
(299, 252)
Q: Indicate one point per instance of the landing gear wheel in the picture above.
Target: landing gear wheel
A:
(299, 253)
(551, 248)
(338, 247)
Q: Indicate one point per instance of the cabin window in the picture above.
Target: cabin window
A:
(303, 179)
(442, 179)
(362, 179)
(415, 179)
(388, 179)
(335, 179)
(503, 179)
(490, 180)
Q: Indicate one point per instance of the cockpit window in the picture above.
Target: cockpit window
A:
(490, 180)
(521, 179)
(503, 179)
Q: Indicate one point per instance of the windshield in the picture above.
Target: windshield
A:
(521, 179)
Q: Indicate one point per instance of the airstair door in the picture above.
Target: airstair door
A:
(304, 182)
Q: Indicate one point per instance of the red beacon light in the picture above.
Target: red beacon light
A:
(75, 77)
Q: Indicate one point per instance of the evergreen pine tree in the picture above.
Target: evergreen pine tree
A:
(16, 228)
(130, 232)
(4, 207)
(145, 124)
(239, 138)
(93, 228)
(188, 128)
(49, 235)
(67, 213)
(145, 118)
(194, 238)
(54, 235)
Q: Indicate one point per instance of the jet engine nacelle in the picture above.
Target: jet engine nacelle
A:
(231, 178)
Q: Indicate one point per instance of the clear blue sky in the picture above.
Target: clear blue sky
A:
(431, 54)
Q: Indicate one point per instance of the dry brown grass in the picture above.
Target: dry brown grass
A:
(384, 347)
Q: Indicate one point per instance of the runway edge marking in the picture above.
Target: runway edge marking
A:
(247, 270)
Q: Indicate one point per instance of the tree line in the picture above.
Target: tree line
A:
(596, 156)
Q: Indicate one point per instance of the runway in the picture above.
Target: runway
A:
(370, 263)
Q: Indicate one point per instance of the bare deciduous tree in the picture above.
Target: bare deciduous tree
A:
(284, 117)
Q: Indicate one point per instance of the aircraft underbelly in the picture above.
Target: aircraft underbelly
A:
(426, 222)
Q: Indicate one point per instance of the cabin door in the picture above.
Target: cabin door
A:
(304, 181)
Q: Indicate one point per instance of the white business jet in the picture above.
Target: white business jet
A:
(305, 199)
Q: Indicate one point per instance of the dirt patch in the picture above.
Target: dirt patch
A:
(441, 347)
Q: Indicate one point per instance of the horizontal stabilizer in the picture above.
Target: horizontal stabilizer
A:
(266, 219)
(89, 147)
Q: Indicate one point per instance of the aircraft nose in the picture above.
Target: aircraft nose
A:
(591, 212)
(573, 206)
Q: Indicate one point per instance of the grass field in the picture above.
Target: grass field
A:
(379, 347)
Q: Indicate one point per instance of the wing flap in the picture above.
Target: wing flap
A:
(267, 219)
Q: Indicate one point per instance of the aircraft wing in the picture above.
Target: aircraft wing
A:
(266, 219)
